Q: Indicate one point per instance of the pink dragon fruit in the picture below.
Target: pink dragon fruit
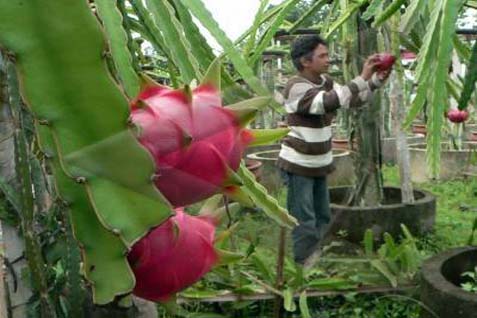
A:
(173, 256)
(195, 142)
(385, 61)
(457, 115)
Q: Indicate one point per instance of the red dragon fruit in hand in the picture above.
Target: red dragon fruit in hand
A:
(457, 115)
(173, 256)
(195, 142)
(386, 61)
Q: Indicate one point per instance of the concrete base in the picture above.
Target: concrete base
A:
(454, 163)
(419, 217)
(440, 284)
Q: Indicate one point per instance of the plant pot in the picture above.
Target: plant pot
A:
(272, 180)
(419, 216)
(419, 129)
(454, 163)
(440, 284)
(255, 167)
(338, 143)
(389, 147)
(473, 135)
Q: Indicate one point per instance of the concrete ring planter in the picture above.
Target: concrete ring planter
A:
(453, 162)
(419, 216)
(441, 277)
(389, 147)
(272, 180)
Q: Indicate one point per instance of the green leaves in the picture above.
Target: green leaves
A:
(259, 196)
(266, 136)
(199, 10)
(276, 23)
(388, 12)
(410, 17)
(438, 97)
(173, 33)
(118, 42)
(344, 17)
(470, 79)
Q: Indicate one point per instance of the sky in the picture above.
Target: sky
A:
(233, 16)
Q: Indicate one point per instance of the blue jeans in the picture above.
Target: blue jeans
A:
(308, 201)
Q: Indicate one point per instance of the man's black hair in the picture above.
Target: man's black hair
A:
(304, 47)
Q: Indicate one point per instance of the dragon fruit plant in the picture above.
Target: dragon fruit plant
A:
(197, 146)
(107, 175)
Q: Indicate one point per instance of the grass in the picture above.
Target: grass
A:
(456, 210)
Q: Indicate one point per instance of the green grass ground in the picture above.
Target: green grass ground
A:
(456, 211)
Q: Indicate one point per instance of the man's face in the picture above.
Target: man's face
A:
(319, 62)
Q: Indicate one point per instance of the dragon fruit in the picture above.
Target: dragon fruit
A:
(457, 115)
(173, 256)
(196, 143)
(386, 61)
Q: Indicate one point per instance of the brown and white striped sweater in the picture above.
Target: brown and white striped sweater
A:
(310, 107)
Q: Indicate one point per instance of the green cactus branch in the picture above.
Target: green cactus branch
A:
(59, 51)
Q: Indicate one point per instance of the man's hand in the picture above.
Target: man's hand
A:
(369, 67)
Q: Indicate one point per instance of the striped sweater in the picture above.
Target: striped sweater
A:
(310, 107)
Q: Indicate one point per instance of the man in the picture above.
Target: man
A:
(311, 99)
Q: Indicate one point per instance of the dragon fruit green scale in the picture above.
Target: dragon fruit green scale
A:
(195, 142)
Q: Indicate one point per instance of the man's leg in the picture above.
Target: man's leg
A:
(321, 201)
(300, 205)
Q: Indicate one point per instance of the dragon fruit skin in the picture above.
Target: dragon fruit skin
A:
(173, 256)
(194, 141)
(457, 115)
(386, 61)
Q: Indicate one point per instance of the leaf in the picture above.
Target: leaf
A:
(313, 9)
(264, 269)
(463, 50)
(147, 28)
(262, 199)
(369, 243)
(303, 303)
(353, 8)
(288, 301)
(212, 76)
(174, 39)
(438, 95)
(199, 10)
(259, 103)
(373, 8)
(272, 29)
(412, 14)
(267, 136)
(118, 42)
(390, 245)
(331, 283)
(11, 195)
(227, 257)
(470, 79)
(202, 50)
(388, 12)
(381, 267)
(250, 44)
